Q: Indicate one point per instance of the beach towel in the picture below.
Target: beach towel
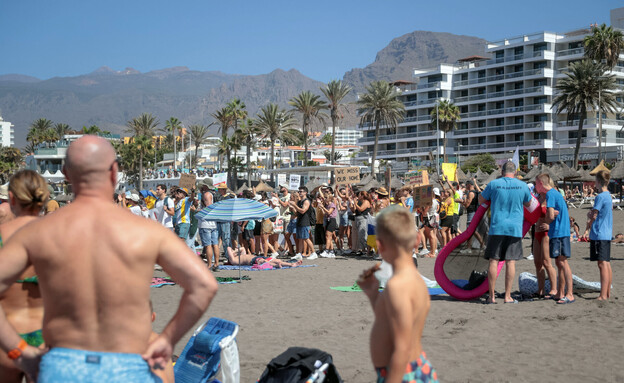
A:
(432, 286)
(250, 268)
(528, 284)
(159, 282)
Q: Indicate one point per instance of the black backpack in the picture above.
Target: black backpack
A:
(296, 365)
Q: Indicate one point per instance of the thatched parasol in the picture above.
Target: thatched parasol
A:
(618, 171)
(531, 174)
(263, 187)
(564, 171)
(536, 171)
(461, 176)
(395, 183)
(311, 185)
(598, 168)
(584, 176)
(371, 184)
(365, 180)
(242, 189)
(480, 176)
(495, 174)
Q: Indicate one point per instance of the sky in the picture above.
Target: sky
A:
(322, 39)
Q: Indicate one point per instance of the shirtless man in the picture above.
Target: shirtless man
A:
(96, 283)
(401, 310)
(250, 259)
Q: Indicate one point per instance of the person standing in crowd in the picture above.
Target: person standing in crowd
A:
(22, 302)
(558, 222)
(225, 230)
(96, 330)
(327, 204)
(345, 227)
(541, 253)
(430, 223)
(471, 202)
(182, 216)
(600, 230)
(135, 205)
(303, 209)
(507, 195)
(164, 208)
(319, 228)
(447, 210)
(362, 208)
(290, 228)
(208, 233)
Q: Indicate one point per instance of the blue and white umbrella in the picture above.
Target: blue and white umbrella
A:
(235, 210)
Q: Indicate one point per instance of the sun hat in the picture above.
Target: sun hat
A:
(183, 190)
(222, 186)
(382, 191)
(134, 197)
(436, 191)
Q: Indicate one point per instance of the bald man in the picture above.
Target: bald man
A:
(95, 262)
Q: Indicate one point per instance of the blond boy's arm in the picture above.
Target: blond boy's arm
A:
(399, 310)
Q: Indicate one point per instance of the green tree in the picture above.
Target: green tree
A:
(295, 138)
(584, 85)
(484, 161)
(274, 124)
(38, 129)
(199, 134)
(223, 149)
(335, 92)
(327, 139)
(247, 135)
(311, 107)
(380, 106)
(225, 119)
(337, 156)
(604, 45)
(173, 126)
(445, 116)
(61, 130)
(93, 129)
(238, 112)
(10, 161)
(143, 129)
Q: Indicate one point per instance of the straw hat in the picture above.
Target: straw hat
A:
(382, 191)
(222, 186)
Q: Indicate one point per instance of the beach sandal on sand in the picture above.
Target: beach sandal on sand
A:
(514, 301)
(565, 301)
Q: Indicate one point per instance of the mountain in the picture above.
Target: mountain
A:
(109, 98)
(419, 49)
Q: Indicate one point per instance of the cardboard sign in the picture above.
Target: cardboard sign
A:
(295, 181)
(281, 179)
(423, 195)
(187, 181)
(347, 176)
(449, 170)
(219, 178)
(416, 178)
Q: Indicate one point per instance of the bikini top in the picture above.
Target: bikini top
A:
(34, 279)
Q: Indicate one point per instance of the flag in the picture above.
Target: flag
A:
(516, 158)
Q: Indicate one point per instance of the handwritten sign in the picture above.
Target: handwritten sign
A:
(417, 178)
(187, 181)
(219, 178)
(281, 179)
(423, 195)
(295, 181)
(347, 176)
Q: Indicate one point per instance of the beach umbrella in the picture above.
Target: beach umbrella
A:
(371, 184)
(461, 176)
(242, 188)
(598, 168)
(395, 183)
(365, 180)
(618, 171)
(263, 187)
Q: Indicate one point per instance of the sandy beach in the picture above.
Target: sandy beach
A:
(465, 341)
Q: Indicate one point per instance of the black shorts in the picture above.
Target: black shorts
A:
(447, 221)
(600, 250)
(331, 225)
(258, 228)
(503, 248)
(319, 234)
(248, 235)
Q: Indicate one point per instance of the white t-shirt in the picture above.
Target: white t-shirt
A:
(136, 210)
(204, 224)
(161, 215)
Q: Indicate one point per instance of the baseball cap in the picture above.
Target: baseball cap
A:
(436, 191)
(134, 197)
(184, 190)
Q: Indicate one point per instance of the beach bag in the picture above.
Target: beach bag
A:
(312, 212)
(297, 364)
(278, 226)
(371, 225)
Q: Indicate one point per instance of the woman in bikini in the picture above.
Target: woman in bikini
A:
(244, 258)
(541, 255)
(22, 302)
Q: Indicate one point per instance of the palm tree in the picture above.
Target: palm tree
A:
(198, 133)
(604, 45)
(335, 92)
(225, 119)
(246, 135)
(37, 131)
(142, 128)
(584, 85)
(238, 112)
(274, 124)
(173, 125)
(61, 130)
(223, 148)
(380, 106)
(311, 107)
(445, 116)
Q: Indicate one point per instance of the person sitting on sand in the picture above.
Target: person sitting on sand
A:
(401, 309)
(619, 238)
(246, 259)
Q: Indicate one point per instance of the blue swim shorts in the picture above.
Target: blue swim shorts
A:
(66, 365)
(303, 232)
(209, 236)
(292, 226)
(182, 230)
(560, 246)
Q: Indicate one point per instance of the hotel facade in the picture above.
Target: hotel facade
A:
(505, 98)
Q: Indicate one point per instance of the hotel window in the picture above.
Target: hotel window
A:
(499, 105)
(481, 140)
(518, 50)
(480, 107)
(481, 124)
(500, 138)
(574, 134)
(500, 122)
(481, 74)
(540, 118)
(540, 82)
(540, 100)
(539, 47)
(518, 68)
(500, 88)
(481, 91)
(432, 143)
(540, 135)
(412, 129)
(412, 144)
(390, 146)
(519, 102)
(519, 137)
(518, 85)
(500, 54)
(540, 65)
(500, 71)
(518, 120)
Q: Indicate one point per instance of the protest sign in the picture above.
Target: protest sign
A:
(416, 178)
(281, 180)
(423, 195)
(219, 178)
(187, 181)
(295, 181)
(449, 170)
(347, 176)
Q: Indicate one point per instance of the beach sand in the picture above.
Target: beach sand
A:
(465, 341)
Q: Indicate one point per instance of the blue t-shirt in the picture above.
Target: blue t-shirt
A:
(602, 228)
(409, 202)
(507, 196)
(560, 227)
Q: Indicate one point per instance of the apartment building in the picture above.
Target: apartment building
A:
(7, 133)
(505, 98)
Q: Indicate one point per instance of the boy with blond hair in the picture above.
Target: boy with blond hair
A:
(600, 229)
(401, 309)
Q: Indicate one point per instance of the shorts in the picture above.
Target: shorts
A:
(469, 217)
(560, 246)
(34, 338)
(248, 235)
(330, 225)
(503, 248)
(447, 221)
(68, 365)
(419, 370)
(209, 237)
(224, 233)
(599, 250)
(303, 232)
(344, 219)
(540, 235)
(182, 230)
(254, 260)
(267, 226)
(455, 225)
(258, 229)
(292, 226)
(319, 234)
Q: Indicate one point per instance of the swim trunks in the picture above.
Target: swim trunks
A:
(34, 279)
(254, 260)
(417, 371)
(68, 365)
(34, 338)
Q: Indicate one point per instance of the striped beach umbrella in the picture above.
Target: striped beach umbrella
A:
(236, 210)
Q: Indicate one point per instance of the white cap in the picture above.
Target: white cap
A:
(257, 197)
(436, 191)
(134, 197)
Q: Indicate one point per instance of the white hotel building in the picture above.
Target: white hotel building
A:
(7, 133)
(505, 101)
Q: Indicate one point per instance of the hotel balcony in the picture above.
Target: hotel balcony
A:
(489, 130)
(542, 72)
(398, 137)
(538, 108)
(498, 147)
(541, 90)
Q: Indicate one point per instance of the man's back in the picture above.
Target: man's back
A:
(560, 226)
(95, 262)
(508, 196)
